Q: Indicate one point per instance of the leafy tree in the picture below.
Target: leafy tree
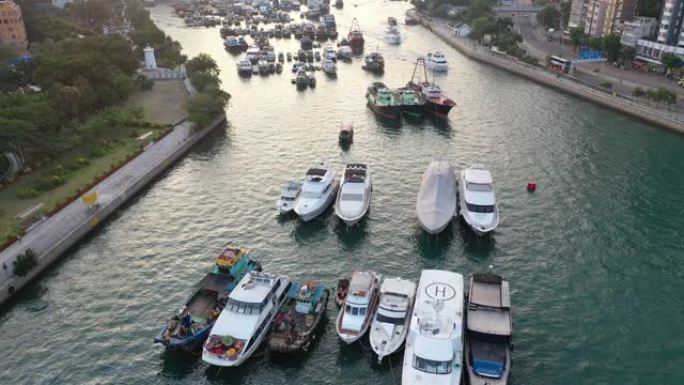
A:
(207, 105)
(662, 95)
(638, 92)
(202, 63)
(578, 37)
(479, 8)
(612, 47)
(549, 16)
(481, 26)
(671, 61)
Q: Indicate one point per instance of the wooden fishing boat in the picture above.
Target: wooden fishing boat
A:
(190, 325)
(297, 321)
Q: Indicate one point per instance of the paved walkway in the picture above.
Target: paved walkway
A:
(535, 42)
(670, 118)
(43, 236)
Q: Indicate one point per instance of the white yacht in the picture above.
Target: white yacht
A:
(391, 322)
(329, 53)
(434, 345)
(345, 53)
(318, 191)
(359, 306)
(245, 319)
(436, 62)
(244, 68)
(392, 35)
(288, 196)
(477, 200)
(329, 67)
(488, 330)
(436, 203)
(354, 197)
(253, 54)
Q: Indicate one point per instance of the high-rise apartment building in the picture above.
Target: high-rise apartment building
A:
(605, 17)
(671, 31)
(12, 31)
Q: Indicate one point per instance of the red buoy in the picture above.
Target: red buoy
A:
(531, 186)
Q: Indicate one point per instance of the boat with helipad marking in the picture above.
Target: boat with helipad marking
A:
(434, 346)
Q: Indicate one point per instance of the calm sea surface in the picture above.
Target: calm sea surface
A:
(595, 257)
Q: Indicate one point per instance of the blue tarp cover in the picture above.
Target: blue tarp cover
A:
(487, 368)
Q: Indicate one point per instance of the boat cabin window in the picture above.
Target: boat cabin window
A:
(352, 197)
(243, 307)
(480, 208)
(430, 366)
(483, 187)
(310, 194)
(391, 320)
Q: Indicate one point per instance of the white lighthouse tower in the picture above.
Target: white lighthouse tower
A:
(150, 61)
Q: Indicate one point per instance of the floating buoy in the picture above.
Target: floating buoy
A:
(531, 186)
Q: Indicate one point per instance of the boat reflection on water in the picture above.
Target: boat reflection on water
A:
(313, 230)
(177, 363)
(352, 237)
(433, 246)
(476, 248)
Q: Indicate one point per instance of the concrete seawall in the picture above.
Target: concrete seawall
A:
(670, 120)
(56, 234)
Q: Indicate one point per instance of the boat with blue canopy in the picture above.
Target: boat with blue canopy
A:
(190, 325)
(300, 317)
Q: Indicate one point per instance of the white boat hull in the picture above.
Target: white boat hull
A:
(436, 202)
(480, 229)
(350, 338)
(393, 39)
(437, 67)
(352, 221)
(313, 212)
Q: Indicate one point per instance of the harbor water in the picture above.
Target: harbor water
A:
(595, 256)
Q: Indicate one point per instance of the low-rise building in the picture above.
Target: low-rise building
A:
(61, 3)
(12, 30)
(461, 29)
(652, 51)
(639, 28)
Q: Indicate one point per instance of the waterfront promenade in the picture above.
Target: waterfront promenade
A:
(55, 234)
(673, 120)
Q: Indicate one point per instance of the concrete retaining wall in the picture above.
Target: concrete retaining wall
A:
(669, 120)
(130, 185)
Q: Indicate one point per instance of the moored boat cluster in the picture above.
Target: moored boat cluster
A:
(237, 307)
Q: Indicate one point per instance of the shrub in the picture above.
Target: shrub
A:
(638, 92)
(25, 262)
(27, 192)
(48, 183)
(99, 151)
(607, 85)
(59, 170)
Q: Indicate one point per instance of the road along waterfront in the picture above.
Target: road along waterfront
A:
(593, 256)
(667, 119)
